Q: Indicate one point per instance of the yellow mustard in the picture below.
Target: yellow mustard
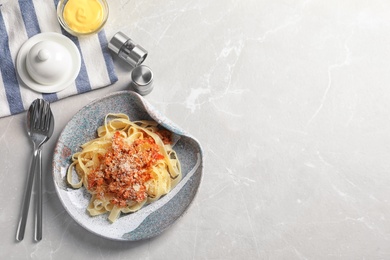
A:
(83, 16)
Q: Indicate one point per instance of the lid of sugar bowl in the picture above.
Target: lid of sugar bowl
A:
(48, 62)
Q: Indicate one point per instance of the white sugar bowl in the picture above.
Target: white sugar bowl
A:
(48, 62)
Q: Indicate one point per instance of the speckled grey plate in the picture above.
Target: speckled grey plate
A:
(152, 219)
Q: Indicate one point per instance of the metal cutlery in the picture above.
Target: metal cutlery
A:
(40, 126)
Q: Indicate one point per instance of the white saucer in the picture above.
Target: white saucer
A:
(58, 86)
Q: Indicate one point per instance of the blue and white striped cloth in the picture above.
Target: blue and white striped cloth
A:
(22, 19)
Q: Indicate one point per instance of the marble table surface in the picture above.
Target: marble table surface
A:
(291, 103)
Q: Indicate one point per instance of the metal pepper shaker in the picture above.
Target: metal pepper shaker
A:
(142, 80)
(127, 50)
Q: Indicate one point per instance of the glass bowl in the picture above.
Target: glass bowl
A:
(78, 18)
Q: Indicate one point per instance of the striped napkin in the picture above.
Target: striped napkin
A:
(22, 19)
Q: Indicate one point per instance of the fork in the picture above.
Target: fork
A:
(40, 124)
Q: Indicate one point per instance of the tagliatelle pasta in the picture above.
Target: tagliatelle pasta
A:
(128, 165)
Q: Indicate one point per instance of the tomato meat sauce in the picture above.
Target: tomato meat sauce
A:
(125, 168)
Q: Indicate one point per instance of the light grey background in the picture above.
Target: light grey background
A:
(290, 101)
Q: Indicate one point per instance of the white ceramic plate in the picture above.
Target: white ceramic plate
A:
(152, 219)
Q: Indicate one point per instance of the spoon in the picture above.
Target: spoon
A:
(40, 126)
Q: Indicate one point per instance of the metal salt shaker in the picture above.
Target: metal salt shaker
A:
(142, 80)
(127, 50)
